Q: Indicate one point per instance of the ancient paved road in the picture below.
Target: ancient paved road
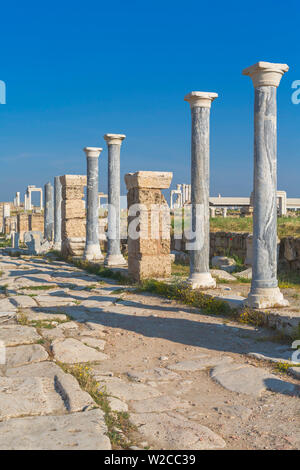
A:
(189, 381)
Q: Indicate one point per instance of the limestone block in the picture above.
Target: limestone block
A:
(148, 179)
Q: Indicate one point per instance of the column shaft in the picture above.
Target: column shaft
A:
(92, 247)
(57, 213)
(265, 203)
(48, 213)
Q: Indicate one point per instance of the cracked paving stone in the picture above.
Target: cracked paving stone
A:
(173, 433)
(80, 431)
(72, 351)
(250, 380)
(13, 335)
(200, 362)
(124, 390)
(21, 355)
(156, 374)
(158, 404)
(23, 301)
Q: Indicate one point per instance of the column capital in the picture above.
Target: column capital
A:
(92, 151)
(114, 138)
(266, 73)
(202, 99)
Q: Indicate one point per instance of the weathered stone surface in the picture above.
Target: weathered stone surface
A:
(250, 380)
(246, 274)
(117, 405)
(20, 355)
(176, 433)
(156, 374)
(158, 404)
(200, 362)
(80, 431)
(52, 334)
(127, 391)
(23, 301)
(7, 306)
(28, 396)
(36, 315)
(236, 411)
(93, 342)
(222, 275)
(73, 397)
(72, 351)
(12, 335)
(224, 263)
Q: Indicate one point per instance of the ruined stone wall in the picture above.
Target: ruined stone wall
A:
(36, 222)
(289, 253)
(22, 225)
(73, 215)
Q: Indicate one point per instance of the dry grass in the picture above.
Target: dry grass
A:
(286, 226)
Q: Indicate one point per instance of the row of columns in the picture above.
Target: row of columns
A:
(264, 291)
(92, 250)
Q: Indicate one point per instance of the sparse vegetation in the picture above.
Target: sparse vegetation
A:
(120, 429)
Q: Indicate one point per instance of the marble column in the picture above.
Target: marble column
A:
(92, 250)
(200, 103)
(114, 256)
(57, 213)
(224, 211)
(264, 291)
(48, 213)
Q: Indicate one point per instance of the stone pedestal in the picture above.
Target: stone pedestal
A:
(36, 222)
(264, 291)
(114, 256)
(57, 213)
(22, 225)
(148, 225)
(92, 250)
(48, 212)
(200, 103)
(73, 223)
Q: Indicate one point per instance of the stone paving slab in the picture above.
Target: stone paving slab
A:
(77, 431)
(201, 362)
(158, 404)
(13, 335)
(175, 433)
(28, 396)
(72, 351)
(21, 355)
(22, 301)
(157, 374)
(250, 380)
(126, 391)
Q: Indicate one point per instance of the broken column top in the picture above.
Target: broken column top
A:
(73, 180)
(266, 73)
(149, 179)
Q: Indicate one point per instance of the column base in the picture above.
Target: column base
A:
(93, 253)
(266, 298)
(57, 246)
(201, 281)
(115, 260)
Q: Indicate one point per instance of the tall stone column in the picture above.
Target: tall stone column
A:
(48, 213)
(264, 291)
(57, 213)
(92, 246)
(114, 256)
(200, 103)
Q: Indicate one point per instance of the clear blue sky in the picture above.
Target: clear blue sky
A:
(77, 70)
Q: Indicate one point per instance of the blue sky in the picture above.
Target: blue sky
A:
(77, 70)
